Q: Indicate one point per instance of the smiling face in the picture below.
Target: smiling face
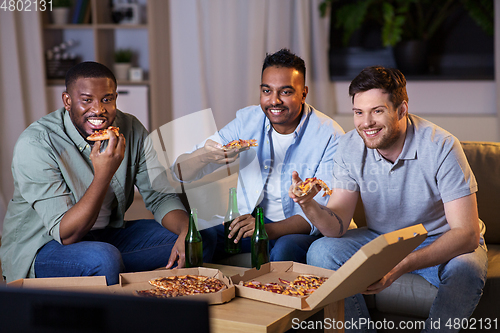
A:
(91, 103)
(282, 94)
(379, 123)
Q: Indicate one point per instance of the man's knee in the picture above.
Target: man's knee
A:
(330, 253)
(285, 250)
(319, 256)
(466, 270)
(103, 259)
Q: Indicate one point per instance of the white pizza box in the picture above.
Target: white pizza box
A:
(78, 284)
(130, 282)
(368, 265)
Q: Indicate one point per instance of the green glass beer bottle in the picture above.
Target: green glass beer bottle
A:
(232, 212)
(260, 241)
(193, 243)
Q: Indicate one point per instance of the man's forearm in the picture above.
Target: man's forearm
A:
(293, 225)
(328, 222)
(176, 221)
(188, 166)
(80, 218)
(452, 243)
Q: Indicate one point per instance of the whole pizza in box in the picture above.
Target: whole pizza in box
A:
(207, 284)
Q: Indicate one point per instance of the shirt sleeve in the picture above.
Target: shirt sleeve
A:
(343, 176)
(325, 173)
(42, 183)
(454, 176)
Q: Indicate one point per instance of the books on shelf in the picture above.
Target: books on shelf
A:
(81, 13)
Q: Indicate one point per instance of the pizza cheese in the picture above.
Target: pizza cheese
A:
(182, 285)
(103, 134)
(307, 185)
(238, 144)
(303, 285)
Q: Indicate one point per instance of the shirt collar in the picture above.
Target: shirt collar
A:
(306, 111)
(73, 133)
(409, 151)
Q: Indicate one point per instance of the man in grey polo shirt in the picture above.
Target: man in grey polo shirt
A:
(407, 171)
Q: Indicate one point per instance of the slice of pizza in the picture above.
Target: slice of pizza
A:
(103, 134)
(307, 185)
(238, 144)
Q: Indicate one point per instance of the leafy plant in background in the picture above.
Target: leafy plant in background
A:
(403, 20)
(123, 56)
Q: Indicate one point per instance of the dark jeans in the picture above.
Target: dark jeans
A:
(141, 246)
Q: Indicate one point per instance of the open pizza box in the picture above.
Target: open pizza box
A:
(96, 284)
(365, 267)
(131, 282)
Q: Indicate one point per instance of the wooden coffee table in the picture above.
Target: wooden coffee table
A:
(246, 315)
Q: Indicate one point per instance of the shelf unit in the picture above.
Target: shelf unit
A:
(103, 34)
(101, 31)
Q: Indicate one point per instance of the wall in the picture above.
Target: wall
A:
(467, 109)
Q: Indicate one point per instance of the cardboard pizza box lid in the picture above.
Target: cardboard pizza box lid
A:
(131, 282)
(365, 267)
(79, 283)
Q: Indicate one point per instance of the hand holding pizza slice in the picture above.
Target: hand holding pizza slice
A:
(238, 144)
(305, 187)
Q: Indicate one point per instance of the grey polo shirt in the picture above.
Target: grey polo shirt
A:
(432, 169)
(52, 171)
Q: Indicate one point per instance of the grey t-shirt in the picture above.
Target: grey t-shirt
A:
(432, 169)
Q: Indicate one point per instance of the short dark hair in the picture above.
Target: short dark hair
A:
(88, 69)
(390, 80)
(285, 58)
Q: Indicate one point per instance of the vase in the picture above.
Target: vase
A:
(121, 70)
(60, 15)
(411, 57)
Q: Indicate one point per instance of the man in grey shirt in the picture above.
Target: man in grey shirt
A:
(407, 171)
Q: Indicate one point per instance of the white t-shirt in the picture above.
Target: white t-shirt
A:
(105, 213)
(271, 203)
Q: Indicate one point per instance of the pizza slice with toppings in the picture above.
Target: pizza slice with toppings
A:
(238, 144)
(303, 188)
(103, 134)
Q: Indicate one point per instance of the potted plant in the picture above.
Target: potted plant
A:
(60, 11)
(405, 25)
(123, 63)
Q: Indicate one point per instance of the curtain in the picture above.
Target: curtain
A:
(22, 92)
(218, 47)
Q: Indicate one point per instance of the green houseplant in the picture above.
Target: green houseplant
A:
(123, 56)
(123, 63)
(405, 23)
(60, 11)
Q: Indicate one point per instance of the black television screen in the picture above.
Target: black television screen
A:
(35, 310)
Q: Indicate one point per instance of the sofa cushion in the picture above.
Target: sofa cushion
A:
(410, 295)
(484, 160)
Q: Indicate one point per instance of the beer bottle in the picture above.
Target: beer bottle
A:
(260, 241)
(232, 212)
(193, 243)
